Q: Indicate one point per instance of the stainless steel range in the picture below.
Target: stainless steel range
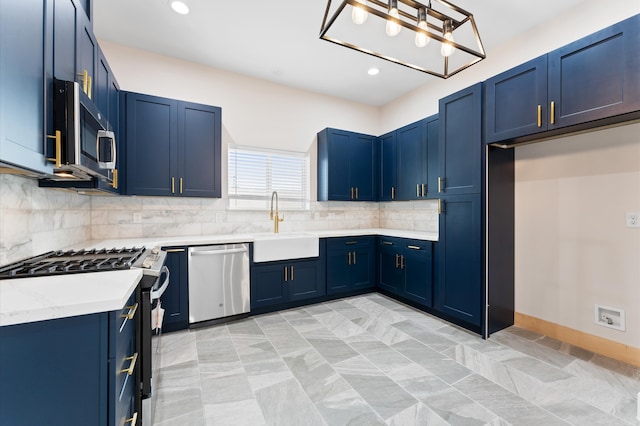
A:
(153, 283)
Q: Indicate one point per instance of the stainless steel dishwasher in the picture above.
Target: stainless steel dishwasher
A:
(218, 281)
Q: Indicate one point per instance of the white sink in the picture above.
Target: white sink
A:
(267, 248)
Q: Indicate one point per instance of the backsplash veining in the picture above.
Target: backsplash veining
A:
(35, 220)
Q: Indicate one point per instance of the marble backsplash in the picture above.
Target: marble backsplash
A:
(35, 220)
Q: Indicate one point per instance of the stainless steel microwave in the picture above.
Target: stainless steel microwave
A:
(84, 145)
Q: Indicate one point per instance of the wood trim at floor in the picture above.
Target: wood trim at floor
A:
(598, 345)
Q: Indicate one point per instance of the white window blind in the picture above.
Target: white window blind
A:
(255, 173)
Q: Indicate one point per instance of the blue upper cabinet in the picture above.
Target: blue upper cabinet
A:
(173, 147)
(346, 169)
(516, 101)
(460, 147)
(151, 145)
(597, 76)
(388, 159)
(199, 150)
(581, 84)
(25, 69)
(412, 161)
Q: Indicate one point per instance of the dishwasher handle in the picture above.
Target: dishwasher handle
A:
(157, 293)
(215, 252)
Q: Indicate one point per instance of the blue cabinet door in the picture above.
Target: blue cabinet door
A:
(433, 144)
(199, 150)
(460, 135)
(363, 264)
(87, 52)
(305, 279)
(175, 299)
(412, 161)
(362, 173)
(596, 76)
(418, 280)
(459, 290)
(152, 145)
(388, 158)
(65, 26)
(23, 81)
(338, 270)
(55, 372)
(390, 273)
(516, 101)
(267, 284)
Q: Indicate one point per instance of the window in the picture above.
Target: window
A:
(255, 173)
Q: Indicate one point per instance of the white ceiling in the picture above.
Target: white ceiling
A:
(277, 40)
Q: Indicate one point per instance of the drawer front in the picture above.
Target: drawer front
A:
(342, 243)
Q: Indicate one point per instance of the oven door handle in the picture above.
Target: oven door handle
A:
(155, 294)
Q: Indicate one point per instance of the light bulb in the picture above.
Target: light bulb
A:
(421, 39)
(179, 7)
(358, 14)
(447, 49)
(392, 28)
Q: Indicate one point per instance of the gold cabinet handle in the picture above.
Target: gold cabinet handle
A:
(397, 260)
(89, 88)
(173, 185)
(286, 274)
(539, 115)
(387, 243)
(354, 258)
(114, 183)
(175, 251)
(132, 364)
(414, 247)
(350, 243)
(132, 311)
(439, 205)
(133, 420)
(401, 262)
(393, 192)
(440, 183)
(349, 258)
(357, 193)
(84, 75)
(181, 185)
(352, 192)
(417, 190)
(423, 186)
(57, 160)
(291, 273)
(553, 113)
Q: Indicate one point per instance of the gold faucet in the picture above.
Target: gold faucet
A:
(275, 217)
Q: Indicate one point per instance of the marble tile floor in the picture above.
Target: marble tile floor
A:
(370, 360)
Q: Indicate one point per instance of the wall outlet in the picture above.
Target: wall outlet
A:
(610, 317)
(633, 220)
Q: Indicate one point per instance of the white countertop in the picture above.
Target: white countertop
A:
(43, 298)
(248, 238)
(35, 299)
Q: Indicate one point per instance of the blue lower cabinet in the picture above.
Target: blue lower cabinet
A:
(459, 287)
(405, 269)
(274, 284)
(175, 300)
(67, 371)
(350, 264)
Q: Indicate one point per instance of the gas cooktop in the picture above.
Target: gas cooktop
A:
(74, 261)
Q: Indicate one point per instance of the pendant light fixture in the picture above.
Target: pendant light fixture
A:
(431, 27)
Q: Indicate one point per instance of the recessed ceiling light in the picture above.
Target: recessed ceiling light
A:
(179, 6)
(373, 71)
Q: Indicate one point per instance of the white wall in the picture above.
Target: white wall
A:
(589, 17)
